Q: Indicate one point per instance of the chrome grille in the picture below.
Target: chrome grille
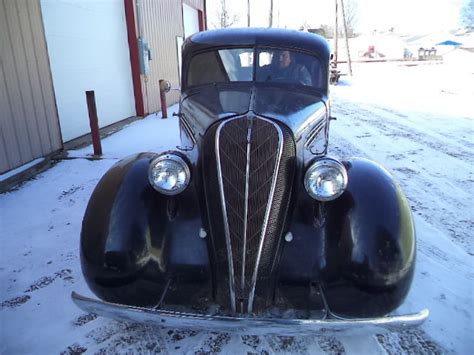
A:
(252, 156)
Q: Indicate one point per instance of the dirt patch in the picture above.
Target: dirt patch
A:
(331, 345)
(44, 281)
(413, 341)
(74, 349)
(15, 302)
(214, 343)
(84, 319)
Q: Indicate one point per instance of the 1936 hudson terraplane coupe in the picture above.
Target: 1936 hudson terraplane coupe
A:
(249, 218)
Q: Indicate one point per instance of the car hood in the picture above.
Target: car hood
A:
(295, 108)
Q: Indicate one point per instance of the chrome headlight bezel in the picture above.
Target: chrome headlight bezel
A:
(319, 167)
(174, 159)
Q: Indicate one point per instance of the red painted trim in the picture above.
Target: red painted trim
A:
(202, 23)
(134, 59)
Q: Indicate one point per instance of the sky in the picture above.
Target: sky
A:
(407, 16)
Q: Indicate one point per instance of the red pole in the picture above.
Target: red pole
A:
(134, 56)
(94, 122)
(164, 108)
(202, 26)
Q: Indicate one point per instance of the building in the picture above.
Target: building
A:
(52, 51)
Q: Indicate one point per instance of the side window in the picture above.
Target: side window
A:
(223, 65)
(206, 68)
(237, 63)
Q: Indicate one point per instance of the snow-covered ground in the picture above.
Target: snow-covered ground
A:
(417, 121)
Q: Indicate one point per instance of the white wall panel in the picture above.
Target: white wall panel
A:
(88, 50)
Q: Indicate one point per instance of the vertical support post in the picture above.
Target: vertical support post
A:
(164, 108)
(201, 20)
(270, 17)
(248, 13)
(93, 122)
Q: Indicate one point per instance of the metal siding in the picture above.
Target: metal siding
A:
(45, 79)
(40, 134)
(10, 157)
(161, 23)
(27, 104)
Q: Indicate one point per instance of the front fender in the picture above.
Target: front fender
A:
(360, 247)
(132, 236)
(371, 248)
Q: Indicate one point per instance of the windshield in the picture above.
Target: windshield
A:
(271, 65)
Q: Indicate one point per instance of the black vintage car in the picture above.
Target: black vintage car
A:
(249, 225)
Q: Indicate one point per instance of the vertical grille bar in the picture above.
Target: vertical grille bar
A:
(246, 209)
(226, 222)
(267, 215)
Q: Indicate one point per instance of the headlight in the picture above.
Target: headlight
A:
(169, 174)
(326, 179)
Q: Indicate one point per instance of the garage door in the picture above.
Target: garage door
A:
(190, 20)
(88, 50)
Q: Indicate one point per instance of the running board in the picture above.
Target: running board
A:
(247, 325)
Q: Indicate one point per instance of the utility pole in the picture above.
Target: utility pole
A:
(278, 14)
(248, 13)
(270, 22)
(335, 35)
(347, 40)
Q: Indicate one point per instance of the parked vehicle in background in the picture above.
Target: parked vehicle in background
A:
(335, 73)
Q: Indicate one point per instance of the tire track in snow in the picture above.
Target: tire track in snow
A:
(413, 342)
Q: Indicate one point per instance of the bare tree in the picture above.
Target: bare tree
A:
(467, 14)
(226, 19)
(327, 31)
(351, 10)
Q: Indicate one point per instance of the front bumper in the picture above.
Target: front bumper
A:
(247, 325)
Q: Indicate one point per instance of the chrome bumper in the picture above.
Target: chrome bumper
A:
(246, 325)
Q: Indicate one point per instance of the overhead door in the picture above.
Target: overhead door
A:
(88, 50)
(190, 20)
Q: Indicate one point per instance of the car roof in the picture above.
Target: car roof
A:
(271, 37)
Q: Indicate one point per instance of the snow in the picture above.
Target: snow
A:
(416, 121)
(151, 134)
